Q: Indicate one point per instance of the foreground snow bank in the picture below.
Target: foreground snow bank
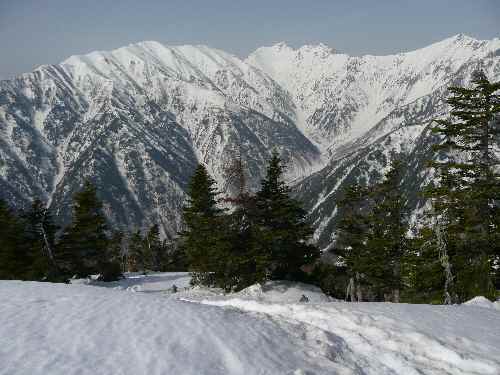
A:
(78, 329)
(103, 328)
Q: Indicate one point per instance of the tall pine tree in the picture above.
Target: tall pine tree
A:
(135, 257)
(284, 235)
(371, 238)
(351, 238)
(84, 245)
(204, 239)
(387, 241)
(15, 260)
(466, 199)
(156, 251)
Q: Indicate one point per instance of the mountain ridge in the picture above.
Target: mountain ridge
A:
(137, 119)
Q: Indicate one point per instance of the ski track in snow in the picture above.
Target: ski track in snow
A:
(384, 338)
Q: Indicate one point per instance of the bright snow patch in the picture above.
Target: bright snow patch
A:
(483, 302)
(87, 329)
(283, 292)
(147, 283)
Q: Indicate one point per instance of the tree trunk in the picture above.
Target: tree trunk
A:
(395, 295)
(350, 290)
(445, 263)
(359, 292)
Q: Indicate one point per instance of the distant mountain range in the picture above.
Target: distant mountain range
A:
(138, 119)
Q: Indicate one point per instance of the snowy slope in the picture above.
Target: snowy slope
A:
(83, 329)
(137, 119)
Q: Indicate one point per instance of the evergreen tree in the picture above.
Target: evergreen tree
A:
(135, 260)
(241, 269)
(351, 238)
(283, 232)
(155, 251)
(175, 256)
(386, 240)
(84, 244)
(204, 239)
(116, 254)
(15, 262)
(425, 269)
(371, 238)
(466, 199)
(244, 255)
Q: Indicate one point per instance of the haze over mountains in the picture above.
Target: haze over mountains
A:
(138, 119)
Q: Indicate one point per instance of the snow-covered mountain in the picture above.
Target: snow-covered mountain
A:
(138, 119)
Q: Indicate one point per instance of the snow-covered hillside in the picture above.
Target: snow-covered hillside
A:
(136, 120)
(139, 326)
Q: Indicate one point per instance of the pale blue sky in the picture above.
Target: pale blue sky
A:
(34, 32)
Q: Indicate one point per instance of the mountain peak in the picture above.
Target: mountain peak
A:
(148, 43)
(280, 46)
(317, 49)
(283, 46)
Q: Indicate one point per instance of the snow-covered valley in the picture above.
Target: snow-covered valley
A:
(143, 325)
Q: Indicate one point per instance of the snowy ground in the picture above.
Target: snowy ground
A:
(138, 326)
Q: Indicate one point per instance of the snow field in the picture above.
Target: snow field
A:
(79, 329)
(138, 326)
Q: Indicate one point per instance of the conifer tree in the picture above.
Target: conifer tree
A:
(135, 257)
(175, 256)
(155, 251)
(466, 199)
(371, 238)
(386, 240)
(241, 268)
(204, 240)
(84, 244)
(351, 238)
(283, 231)
(15, 259)
(116, 252)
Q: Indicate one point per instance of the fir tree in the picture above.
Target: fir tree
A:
(283, 232)
(244, 256)
(155, 251)
(371, 238)
(386, 240)
(84, 244)
(241, 269)
(15, 262)
(175, 256)
(135, 260)
(351, 238)
(116, 253)
(204, 239)
(467, 196)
